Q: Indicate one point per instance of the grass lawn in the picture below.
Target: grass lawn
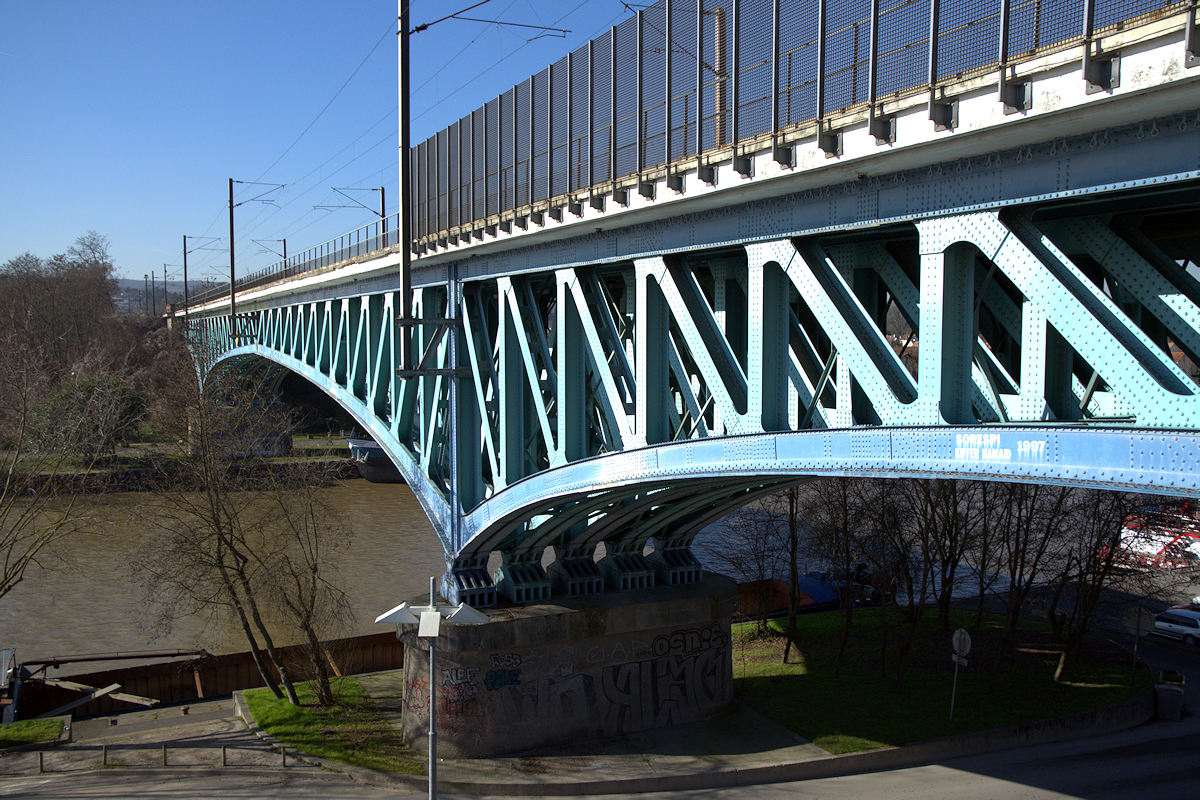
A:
(29, 731)
(860, 707)
(352, 731)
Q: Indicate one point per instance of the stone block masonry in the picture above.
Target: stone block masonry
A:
(588, 668)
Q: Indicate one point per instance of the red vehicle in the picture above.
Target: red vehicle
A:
(1161, 537)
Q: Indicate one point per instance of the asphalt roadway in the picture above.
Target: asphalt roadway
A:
(1155, 760)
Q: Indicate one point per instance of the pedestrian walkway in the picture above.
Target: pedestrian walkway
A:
(202, 734)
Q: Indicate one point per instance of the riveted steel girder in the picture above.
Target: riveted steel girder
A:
(624, 402)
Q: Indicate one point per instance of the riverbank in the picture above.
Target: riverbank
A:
(167, 475)
(813, 707)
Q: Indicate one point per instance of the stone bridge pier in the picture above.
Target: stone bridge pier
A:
(583, 668)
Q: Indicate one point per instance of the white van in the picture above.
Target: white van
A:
(1179, 623)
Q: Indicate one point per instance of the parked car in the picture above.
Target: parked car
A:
(1179, 623)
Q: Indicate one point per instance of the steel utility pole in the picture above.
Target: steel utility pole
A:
(232, 307)
(406, 200)
(185, 286)
(166, 299)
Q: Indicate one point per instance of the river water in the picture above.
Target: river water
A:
(85, 598)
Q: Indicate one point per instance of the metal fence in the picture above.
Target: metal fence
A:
(379, 235)
(682, 78)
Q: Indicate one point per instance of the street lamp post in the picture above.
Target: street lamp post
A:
(429, 621)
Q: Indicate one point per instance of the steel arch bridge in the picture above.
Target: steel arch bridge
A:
(618, 402)
(1023, 306)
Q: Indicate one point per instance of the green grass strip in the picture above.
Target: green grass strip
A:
(352, 731)
(29, 731)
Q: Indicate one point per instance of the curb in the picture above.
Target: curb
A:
(1091, 722)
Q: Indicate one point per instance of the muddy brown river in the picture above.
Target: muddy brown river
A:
(85, 597)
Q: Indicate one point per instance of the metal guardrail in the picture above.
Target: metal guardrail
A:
(379, 235)
(683, 78)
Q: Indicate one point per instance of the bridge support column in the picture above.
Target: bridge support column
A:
(590, 668)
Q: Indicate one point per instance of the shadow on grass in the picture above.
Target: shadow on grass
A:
(860, 706)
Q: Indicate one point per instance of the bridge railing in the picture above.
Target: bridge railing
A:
(688, 79)
(378, 235)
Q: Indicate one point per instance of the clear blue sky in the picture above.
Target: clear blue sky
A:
(128, 117)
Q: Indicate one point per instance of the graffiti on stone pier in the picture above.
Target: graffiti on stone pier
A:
(603, 691)
(689, 672)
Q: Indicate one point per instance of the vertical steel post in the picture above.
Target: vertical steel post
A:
(612, 98)
(721, 86)
(232, 306)
(774, 70)
(872, 47)
(1002, 55)
(486, 164)
(571, 161)
(821, 62)
(453, 304)
(487, 208)
(699, 77)
(638, 162)
(406, 185)
(383, 226)
(500, 204)
(737, 68)
(185, 282)
(591, 115)
(934, 11)
(515, 159)
(1012, 95)
(529, 163)
(471, 167)
(550, 131)
(667, 83)
(435, 178)
(432, 699)
(166, 299)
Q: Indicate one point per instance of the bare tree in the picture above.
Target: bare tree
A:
(834, 512)
(1093, 527)
(1030, 524)
(241, 537)
(204, 559)
(751, 549)
(295, 553)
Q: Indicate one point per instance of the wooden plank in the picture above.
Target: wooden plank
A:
(87, 698)
(133, 698)
(62, 683)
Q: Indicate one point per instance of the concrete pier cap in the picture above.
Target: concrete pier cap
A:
(581, 668)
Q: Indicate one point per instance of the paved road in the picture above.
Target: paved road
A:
(1156, 761)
